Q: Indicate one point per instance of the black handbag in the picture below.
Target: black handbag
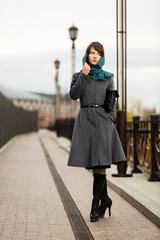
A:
(110, 100)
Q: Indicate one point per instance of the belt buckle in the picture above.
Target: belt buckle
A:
(92, 105)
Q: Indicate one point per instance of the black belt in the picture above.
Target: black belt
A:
(92, 106)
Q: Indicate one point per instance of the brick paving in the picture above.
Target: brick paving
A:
(30, 206)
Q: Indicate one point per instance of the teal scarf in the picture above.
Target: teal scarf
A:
(96, 71)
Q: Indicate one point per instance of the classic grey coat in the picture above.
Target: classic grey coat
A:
(95, 141)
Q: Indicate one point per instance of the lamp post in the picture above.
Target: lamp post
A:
(121, 23)
(57, 105)
(73, 31)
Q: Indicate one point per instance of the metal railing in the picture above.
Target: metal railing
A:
(143, 146)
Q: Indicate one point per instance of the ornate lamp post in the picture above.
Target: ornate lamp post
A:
(73, 31)
(57, 104)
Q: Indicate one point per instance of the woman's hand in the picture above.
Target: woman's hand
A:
(86, 68)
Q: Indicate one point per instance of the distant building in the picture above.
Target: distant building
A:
(43, 103)
(65, 106)
(32, 102)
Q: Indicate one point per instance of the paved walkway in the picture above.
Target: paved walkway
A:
(137, 190)
(30, 205)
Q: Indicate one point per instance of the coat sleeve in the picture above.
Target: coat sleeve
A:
(79, 81)
(112, 87)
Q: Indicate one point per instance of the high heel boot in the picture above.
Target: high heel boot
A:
(106, 202)
(98, 185)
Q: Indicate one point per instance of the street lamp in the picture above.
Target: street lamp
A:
(57, 104)
(57, 63)
(73, 31)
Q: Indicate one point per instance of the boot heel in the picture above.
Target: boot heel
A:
(109, 209)
(105, 203)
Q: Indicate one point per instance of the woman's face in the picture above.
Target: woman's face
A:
(94, 56)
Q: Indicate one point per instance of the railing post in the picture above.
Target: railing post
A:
(155, 173)
(121, 128)
(135, 145)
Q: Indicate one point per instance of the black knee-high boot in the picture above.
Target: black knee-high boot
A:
(106, 202)
(98, 185)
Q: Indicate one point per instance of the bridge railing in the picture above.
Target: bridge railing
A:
(143, 146)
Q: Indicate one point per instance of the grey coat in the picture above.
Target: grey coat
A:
(95, 141)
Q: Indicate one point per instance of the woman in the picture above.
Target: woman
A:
(95, 142)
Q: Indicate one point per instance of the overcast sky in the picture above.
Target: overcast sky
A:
(33, 33)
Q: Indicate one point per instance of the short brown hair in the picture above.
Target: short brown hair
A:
(97, 46)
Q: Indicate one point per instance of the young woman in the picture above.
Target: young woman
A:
(95, 141)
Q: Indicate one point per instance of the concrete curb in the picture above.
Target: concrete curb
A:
(153, 217)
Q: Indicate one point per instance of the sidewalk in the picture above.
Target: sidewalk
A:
(30, 205)
(137, 190)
